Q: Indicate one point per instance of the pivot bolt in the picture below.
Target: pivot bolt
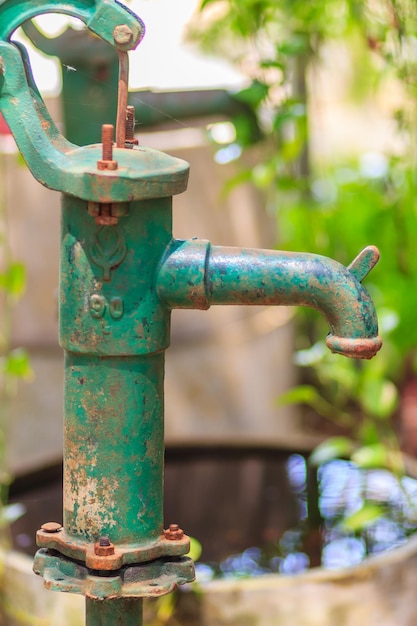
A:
(107, 163)
(122, 34)
(104, 547)
(173, 533)
(51, 527)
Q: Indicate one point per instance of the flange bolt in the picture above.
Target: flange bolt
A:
(104, 547)
(107, 163)
(173, 533)
(51, 527)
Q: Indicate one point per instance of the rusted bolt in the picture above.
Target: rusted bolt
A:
(107, 163)
(130, 127)
(105, 218)
(122, 34)
(174, 532)
(104, 547)
(51, 527)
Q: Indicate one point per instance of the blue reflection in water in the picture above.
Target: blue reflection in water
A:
(343, 552)
(340, 484)
(297, 472)
(248, 563)
(294, 563)
(343, 490)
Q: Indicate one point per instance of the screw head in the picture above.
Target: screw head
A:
(122, 34)
(51, 527)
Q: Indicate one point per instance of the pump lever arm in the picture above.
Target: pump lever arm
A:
(100, 16)
(45, 150)
(41, 109)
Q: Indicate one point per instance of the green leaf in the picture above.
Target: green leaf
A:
(380, 397)
(263, 175)
(254, 94)
(17, 364)
(378, 455)
(243, 176)
(296, 45)
(205, 3)
(333, 448)
(309, 395)
(371, 457)
(302, 394)
(363, 518)
(13, 280)
(195, 549)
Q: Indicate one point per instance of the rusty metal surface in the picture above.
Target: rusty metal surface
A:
(101, 17)
(122, 99)
(220, 275)
(119, 555)
(151, 579)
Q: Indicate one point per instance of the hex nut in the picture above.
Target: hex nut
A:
(122, 34)
(107, 165)
(103, 550)
(173, 533)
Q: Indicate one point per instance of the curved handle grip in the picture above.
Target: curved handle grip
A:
(101, 16)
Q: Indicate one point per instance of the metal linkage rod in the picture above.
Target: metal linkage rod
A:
(122, 99)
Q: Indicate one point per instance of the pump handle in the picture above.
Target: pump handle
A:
(106, 18)
(54, 161)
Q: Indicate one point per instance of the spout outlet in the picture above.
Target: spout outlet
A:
(197, 275)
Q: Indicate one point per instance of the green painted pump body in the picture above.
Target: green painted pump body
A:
(121, 274)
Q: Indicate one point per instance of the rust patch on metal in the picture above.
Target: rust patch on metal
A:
(76, 548)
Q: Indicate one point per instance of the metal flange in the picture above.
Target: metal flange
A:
(67, 545)
(155, 578)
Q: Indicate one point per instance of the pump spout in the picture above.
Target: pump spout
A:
(195, 274)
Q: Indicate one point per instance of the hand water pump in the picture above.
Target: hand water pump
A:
(121, 274)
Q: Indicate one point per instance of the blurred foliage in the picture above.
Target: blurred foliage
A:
(335, 207)
(14, 361)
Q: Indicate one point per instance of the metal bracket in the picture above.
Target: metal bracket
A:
(123, 555)
(155, 578)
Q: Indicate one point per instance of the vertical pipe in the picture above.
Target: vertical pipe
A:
(115, 612)
(113, 441)
(114, 330)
